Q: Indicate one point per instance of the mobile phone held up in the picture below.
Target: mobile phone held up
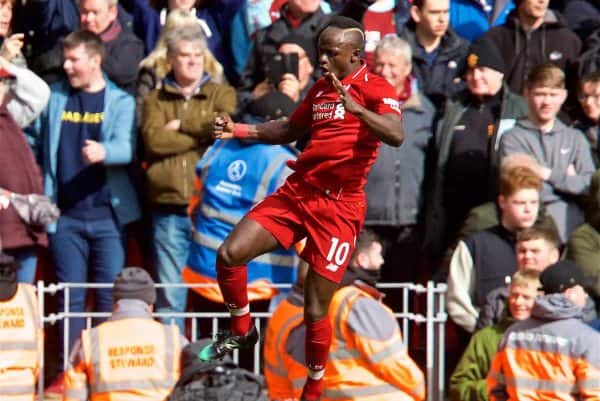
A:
(282, 63)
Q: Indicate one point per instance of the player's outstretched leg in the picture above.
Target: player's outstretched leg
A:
(247, 240)
(318, 292)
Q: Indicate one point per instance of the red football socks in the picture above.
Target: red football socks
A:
(318, 340)
(233, 282)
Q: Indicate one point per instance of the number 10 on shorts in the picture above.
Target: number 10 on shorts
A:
(338, 253)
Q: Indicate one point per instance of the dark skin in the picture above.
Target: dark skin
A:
(339, 55)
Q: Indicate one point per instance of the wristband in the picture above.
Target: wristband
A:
(241, 131)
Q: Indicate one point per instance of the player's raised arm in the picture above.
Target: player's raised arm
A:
(387, 127)
(275, 131)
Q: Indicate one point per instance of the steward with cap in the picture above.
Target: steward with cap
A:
(553, 355)
(21, 335)
(130, 357)
(467, 140)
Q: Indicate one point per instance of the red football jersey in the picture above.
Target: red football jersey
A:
(341, 149)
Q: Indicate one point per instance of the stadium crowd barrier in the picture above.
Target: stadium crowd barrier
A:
(431, 297)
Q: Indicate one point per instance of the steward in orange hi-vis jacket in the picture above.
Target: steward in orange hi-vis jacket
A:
(368, 360)
(553, 355)
(130, 357)
(21, 335)
(284, 361)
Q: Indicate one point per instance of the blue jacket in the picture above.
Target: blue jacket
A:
(469, 19)
(236, 175)
(118, 137)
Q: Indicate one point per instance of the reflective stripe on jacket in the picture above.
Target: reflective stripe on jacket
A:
(130, 359)
(368, 366)
(21, 341)
(235, 175)
(551, 356)
(284, 375)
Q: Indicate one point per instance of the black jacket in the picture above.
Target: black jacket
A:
(268, 39)
(552, 42)
(19, 173)
(442, 79)
(122, 58)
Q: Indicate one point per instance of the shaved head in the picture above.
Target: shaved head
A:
(340, 46)
(352, 32)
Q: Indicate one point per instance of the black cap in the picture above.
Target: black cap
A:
(308, 44)
(272, 106)
(562, 275)
(8, 277)
(484, 53)
(134, 283)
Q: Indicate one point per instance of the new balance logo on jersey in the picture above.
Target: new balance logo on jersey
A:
(340, 112)
(393, 103)
(332, 267)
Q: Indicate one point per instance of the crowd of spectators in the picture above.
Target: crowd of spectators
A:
(116, 102)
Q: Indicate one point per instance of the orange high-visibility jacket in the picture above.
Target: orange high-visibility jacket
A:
(21, 342)
(367, 359)
(553, 355)
(284, 374)
(131, 359)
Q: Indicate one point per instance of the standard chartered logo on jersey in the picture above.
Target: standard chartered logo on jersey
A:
(235, 172)
(327, 111)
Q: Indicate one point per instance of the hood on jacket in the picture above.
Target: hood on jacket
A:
(555, 307)
(169, 84)
(553, 19)
(130, 308)
(526, 124)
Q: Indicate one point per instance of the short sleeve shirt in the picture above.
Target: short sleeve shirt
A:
(341, 149)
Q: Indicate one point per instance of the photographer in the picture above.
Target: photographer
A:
(289, 75)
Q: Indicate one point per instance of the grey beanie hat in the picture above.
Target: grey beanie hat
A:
(134, 283)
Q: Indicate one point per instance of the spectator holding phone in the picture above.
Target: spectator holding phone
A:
(289, 75)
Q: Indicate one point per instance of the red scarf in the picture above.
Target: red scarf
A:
(407, 90)
(111, 32)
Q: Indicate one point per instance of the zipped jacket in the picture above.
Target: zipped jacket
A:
(171, 155)
(553, 42)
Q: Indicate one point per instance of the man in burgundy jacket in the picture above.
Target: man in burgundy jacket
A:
(23, 95)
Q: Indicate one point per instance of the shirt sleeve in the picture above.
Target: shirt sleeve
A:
(381, 98)
(302, 116)
(377, 337)
(461, 289)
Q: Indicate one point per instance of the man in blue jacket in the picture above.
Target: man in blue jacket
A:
(84, 140)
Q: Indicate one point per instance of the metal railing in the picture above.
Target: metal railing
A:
(434, 318)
